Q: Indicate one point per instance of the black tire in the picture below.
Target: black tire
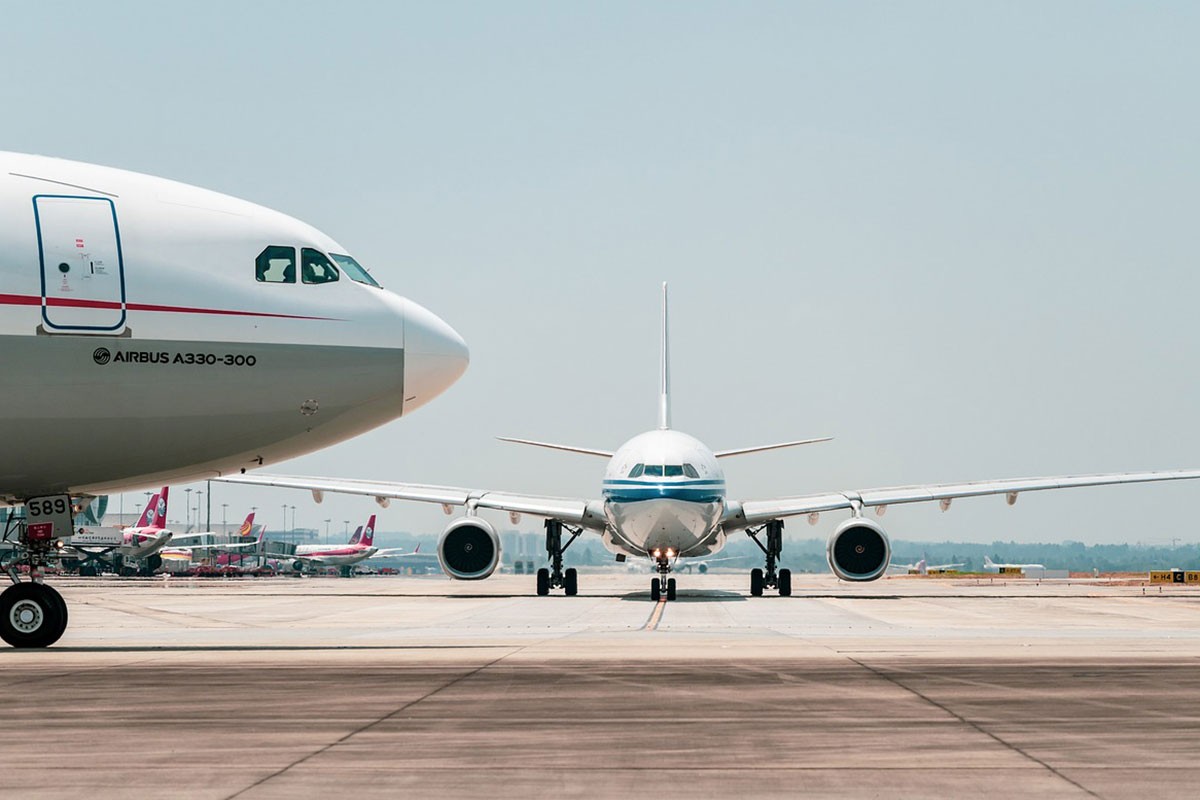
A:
(571, 582)
(756, 582)
(655, 589)
(54, 596)
(543, 582)
(153, 562)
(31, 615)
(670, 588)
(785, 583)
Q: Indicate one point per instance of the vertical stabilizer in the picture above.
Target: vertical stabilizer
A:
(368, 534)
(160, 509)
(148, 513)
(247, 526)
(664, 370)
(356, 537)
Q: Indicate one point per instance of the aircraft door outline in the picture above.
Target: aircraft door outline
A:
(82, 267)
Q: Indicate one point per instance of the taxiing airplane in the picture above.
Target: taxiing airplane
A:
(166, 332)
(663, 497)
(245, 531)
(991, 566)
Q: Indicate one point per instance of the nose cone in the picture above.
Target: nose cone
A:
(435, 356)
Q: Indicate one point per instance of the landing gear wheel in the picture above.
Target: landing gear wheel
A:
(543, 582)
(670, 588)
(655, 589)
(785, 583)
(756, 582)
(31, 615)
(571, 582)
(57, 598)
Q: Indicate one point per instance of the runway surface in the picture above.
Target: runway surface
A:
(421, 687)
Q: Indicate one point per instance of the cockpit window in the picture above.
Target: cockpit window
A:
(654, 470)
(637, 471)
(316, 268)
(354, 271)
(690, 471)
(276, 264)
(673, 470)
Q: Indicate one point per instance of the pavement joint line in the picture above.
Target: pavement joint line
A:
(976, 726)
(87, 670)
(370, 725)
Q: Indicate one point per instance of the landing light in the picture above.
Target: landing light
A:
(658, 553)
(670, 553)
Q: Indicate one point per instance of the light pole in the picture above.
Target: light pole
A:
(199, 493)
(224, 526)
(294, 539)
(188, 506)
(285, 536)
(327, 531)
(346, 531)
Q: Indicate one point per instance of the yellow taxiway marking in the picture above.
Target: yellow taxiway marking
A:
(655, 616)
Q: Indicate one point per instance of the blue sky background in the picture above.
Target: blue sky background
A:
(960, 237)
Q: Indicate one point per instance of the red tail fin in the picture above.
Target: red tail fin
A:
(148, 512)
(368, 536)
(160, 509)
(247, 526)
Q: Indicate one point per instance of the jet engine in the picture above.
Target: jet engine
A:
(469, 549)
(858, 550)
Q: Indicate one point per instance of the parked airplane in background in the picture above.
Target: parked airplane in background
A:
(141, 545)
(360, 547)
(205, 541)
(924, 568)
(991, 566)
(663, 497)
(181, 334)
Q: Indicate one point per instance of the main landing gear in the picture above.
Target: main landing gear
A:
(556, 577)
(31, 613)
(769, 578)
(662, 584)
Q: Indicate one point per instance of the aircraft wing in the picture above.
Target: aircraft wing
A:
(567, 509)
(755, 512)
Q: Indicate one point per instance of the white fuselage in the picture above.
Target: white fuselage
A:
(335, 555)
(157, 331)
(664, 495)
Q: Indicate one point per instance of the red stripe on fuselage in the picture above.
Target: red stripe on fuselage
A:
(70, 302)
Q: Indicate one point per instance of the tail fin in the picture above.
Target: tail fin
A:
(987, 561)
(148, 512)
(247, 526)
(664, 370)
(368, 534)
(160, 509)
(356, 537)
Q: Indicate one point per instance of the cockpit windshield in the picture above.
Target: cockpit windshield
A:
(664, 471)
(354, 271)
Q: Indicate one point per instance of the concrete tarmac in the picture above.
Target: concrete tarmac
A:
(422, 687)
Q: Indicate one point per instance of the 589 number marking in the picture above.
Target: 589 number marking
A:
(47, 506)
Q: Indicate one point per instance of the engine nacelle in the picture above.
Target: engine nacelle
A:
(858, 550)
(469, 549)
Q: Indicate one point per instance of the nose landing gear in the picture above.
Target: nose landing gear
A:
(31, 613)
(662, 584)
(769, 578)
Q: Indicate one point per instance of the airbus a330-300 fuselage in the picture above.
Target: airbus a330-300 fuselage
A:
(152, 331)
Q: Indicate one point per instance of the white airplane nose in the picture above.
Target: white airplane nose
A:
(435, 356)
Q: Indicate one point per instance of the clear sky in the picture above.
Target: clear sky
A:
(960, 237)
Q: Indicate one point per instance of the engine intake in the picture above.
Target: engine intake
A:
(469, 549)
(858, 550)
